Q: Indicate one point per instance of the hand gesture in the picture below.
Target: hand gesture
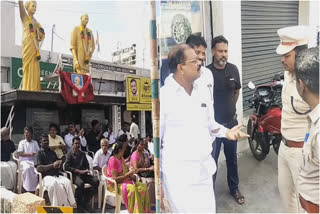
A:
(76, 65)
(56, 164)
(235, 133)
(81, 133)
(133, 171)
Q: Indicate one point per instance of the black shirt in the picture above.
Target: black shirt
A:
(76, 161)
(226, 82)
(46, 157)
(93, 143)
(7, 147)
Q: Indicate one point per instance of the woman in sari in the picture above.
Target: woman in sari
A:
(140, 161)
(135, 194)
(33, 34)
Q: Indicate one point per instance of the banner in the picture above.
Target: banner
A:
(76, 88)
(138, 93)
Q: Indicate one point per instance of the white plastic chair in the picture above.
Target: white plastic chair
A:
(40, 187)
(114, 194)
(101, 183)
(19, 172)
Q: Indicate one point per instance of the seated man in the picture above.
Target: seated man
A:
(102, 156)
(72, 133)
(59, 187)
(27, 150)
(8, 167)
(77, 163)
(56, 142)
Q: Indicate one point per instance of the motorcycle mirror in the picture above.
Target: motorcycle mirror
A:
(251, 85)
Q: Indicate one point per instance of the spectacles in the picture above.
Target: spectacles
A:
(194, 61)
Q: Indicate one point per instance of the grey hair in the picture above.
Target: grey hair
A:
(4, 130)
(307, 68)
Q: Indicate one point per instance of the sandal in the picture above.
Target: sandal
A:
(238, 197)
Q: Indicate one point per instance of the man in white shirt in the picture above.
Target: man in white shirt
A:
(134, 129)
(124, 130)
(27, 150)
(102, 156)
(72, 133)
(182, 100)
(110, 135)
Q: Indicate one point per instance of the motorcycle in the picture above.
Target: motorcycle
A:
(264, 125)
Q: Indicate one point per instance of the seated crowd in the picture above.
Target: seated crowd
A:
(123, 157)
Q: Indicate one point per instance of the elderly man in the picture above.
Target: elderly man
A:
(294, 122)
(77, 163)
(102, 156)
(59, 187)
(180, 91)
(8, 167)
(27, 150)
(307, 77)
(56, 142)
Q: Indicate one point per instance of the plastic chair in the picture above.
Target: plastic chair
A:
(19, 172)
(101, 182)
(41, 188)
(107, 193)
(86, 185)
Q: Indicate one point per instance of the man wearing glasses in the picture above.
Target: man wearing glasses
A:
(186, 125)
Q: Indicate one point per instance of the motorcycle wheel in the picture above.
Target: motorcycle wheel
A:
(255, 146)
(276, 143)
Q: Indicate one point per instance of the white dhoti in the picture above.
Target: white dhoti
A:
(59, 190)
(188, 186)
(8, 174)
(29, 177)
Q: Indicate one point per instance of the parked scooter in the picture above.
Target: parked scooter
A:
(264, 125)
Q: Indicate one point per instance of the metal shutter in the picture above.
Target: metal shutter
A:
(260, 21)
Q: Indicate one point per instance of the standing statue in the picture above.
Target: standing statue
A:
(82, 46)
(32, 35)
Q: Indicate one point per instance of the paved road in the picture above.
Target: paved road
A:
(258, 183)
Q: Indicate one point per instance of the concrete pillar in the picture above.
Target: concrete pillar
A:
(142, 124)
(116, 118)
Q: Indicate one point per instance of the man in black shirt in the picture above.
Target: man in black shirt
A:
(226, 92)
(59, 187)
(94, 136)
(8, 168)
(77, 163)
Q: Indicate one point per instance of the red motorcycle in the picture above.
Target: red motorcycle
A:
(264, 125)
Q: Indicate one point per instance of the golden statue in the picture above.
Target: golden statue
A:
(32, 35)
(82, 46)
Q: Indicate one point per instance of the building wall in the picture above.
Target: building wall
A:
(309, 15)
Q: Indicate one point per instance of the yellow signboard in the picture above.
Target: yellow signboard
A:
(138, 93)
